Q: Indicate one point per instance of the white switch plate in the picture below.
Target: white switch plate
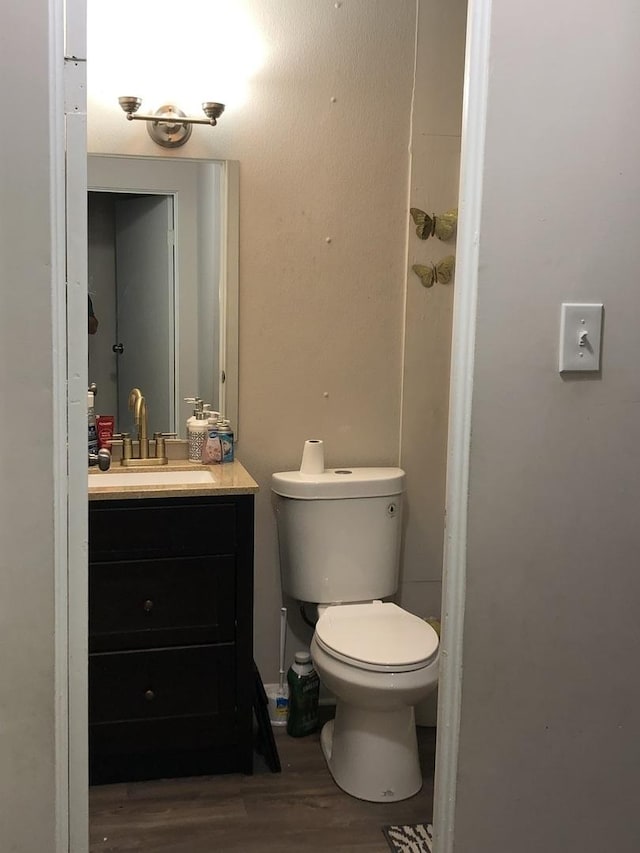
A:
(580, 334)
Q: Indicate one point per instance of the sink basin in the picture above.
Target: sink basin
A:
(149, 478)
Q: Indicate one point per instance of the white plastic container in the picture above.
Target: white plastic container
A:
(278, 701)
(197, 426)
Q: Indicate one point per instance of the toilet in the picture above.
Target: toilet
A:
(339, 534)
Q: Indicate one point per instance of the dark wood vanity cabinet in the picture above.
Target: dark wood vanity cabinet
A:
(170, 637)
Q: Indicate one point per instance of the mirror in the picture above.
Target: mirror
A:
(163, 284)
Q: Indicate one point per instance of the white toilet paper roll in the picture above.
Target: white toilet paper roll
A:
(312, 457)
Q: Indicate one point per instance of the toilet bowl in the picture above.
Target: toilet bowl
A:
(379, 661)
(339, 533)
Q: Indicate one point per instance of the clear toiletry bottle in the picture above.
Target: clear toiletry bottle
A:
(197, 428)
(212, 447)
(225, 433)
(91, 417)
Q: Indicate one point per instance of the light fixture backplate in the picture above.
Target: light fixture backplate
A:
(168, 131)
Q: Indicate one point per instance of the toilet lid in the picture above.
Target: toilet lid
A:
(378, 636)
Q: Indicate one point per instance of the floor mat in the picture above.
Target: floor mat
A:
(409, 837)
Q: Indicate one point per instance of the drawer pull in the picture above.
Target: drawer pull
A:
(148, 605)
(149, 695)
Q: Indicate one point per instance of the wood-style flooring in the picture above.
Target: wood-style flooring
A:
(299, 809)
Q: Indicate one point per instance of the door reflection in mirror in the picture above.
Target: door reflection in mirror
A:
(131, 278)
(162, 265)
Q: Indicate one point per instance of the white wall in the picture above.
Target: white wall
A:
(27, 269)
(549, 750)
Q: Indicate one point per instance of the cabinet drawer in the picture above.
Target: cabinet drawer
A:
(170, 747)
(152, 603)
(150, 529)
(161, 683)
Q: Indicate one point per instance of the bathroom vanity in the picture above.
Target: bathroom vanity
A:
(170, 625)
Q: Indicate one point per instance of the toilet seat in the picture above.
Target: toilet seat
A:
(378, 636)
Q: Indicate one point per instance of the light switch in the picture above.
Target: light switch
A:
(580, 334)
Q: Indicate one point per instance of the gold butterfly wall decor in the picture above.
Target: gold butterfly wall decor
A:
(442, 225)
(431, 274)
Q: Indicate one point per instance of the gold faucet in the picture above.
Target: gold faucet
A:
(138, 405)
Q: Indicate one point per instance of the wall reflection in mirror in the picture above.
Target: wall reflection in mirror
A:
(163, 277)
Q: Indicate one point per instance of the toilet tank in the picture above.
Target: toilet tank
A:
(339, 533)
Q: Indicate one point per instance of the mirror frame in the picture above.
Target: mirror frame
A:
(104, 180)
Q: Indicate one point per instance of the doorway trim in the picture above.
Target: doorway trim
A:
(474, 115)
(75, 473)
(71, 806)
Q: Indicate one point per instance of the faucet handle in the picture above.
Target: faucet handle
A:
(127, 447)
(159, 438)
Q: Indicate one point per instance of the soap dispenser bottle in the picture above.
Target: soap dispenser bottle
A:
(212, 448)
(197, 428)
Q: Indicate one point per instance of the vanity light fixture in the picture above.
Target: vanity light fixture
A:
(169, 126)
